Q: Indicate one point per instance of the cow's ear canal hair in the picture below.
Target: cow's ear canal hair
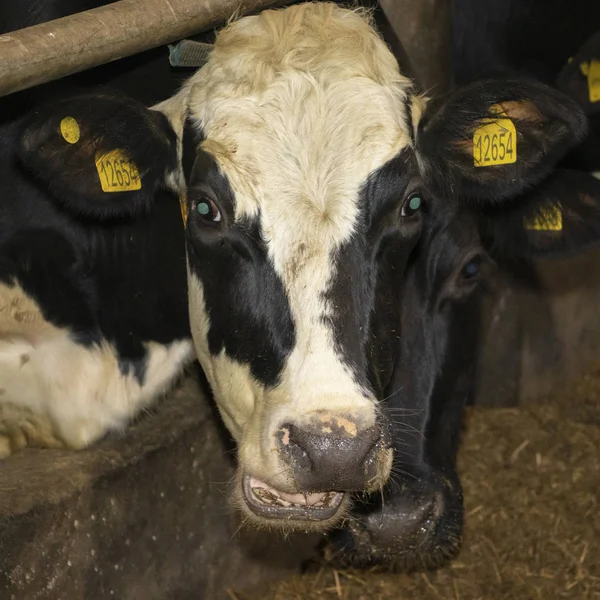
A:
(495, 138)
(101, 156)
(558, 218)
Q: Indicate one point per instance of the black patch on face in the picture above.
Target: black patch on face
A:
(424, 332)
(436, 341)
(352, 290)
(247, 305)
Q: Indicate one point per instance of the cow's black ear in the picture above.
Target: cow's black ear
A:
(102, 156)
(496, 137)
(558, 218)
(580, 77)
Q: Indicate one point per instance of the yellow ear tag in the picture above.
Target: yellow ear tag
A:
(69, 128)
(184, 209)
(547, 219)
(594, 80)
(495, 141)
(117, 172)
(584, 67)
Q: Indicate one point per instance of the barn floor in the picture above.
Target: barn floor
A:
(532, 486)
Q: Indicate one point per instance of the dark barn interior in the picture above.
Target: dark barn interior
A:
(144, 513)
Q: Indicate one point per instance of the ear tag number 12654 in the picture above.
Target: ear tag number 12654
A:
(117, 172)
(495, 141)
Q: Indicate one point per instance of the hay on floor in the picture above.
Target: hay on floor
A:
(532, 486)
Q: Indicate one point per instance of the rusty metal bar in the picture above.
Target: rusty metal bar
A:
(58, 48)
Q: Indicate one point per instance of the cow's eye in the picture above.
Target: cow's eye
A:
(471, 268)
(208, 210)
(412, 205)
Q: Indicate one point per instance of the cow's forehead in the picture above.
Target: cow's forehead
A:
(298, 107)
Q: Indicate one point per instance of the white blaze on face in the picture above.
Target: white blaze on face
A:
(298, 106)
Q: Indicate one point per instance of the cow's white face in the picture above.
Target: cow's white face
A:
(307, 165)
(293, 113)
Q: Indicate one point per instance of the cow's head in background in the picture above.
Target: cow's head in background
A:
(430, 317)
(314, 172)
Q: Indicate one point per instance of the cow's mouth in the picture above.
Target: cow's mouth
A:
(267, 502)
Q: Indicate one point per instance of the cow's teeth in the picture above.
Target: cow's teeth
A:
(271, 497)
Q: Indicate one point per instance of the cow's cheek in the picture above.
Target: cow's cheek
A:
(237, 395)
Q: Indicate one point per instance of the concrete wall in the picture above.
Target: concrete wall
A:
(540, 334)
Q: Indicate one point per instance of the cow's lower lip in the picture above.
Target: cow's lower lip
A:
(267, 502)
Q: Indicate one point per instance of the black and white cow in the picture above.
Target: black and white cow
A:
(333, 220)
(314, 156)
(93, 317)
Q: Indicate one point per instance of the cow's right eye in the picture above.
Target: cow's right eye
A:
(208, 210)
(412, 205)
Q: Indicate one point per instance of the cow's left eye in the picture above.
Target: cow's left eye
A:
(208, 210)
(412, 205)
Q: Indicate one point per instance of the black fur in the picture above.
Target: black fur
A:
(247, 305)
(352, 288)
(547, 123)
(427, 325)
(69, 171)
(519, 34)
(121, 280)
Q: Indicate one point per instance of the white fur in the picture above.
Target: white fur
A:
(56, 392)
(298, 106)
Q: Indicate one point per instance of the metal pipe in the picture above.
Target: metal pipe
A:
(58, 48)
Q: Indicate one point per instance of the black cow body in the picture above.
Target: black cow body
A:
(96, 280)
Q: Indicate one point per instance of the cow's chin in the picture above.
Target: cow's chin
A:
(265, 506)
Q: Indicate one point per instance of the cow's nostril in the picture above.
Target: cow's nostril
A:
(335, 454)
(292, 449)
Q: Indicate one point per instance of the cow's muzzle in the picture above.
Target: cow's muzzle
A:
(417, 525)
(327, 457)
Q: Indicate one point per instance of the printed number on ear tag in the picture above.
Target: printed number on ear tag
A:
(547, 219)
(117, 173)
(593, 75)
(495, 141)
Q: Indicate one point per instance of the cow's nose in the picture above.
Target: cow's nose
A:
(408, 526)
(336, 455)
